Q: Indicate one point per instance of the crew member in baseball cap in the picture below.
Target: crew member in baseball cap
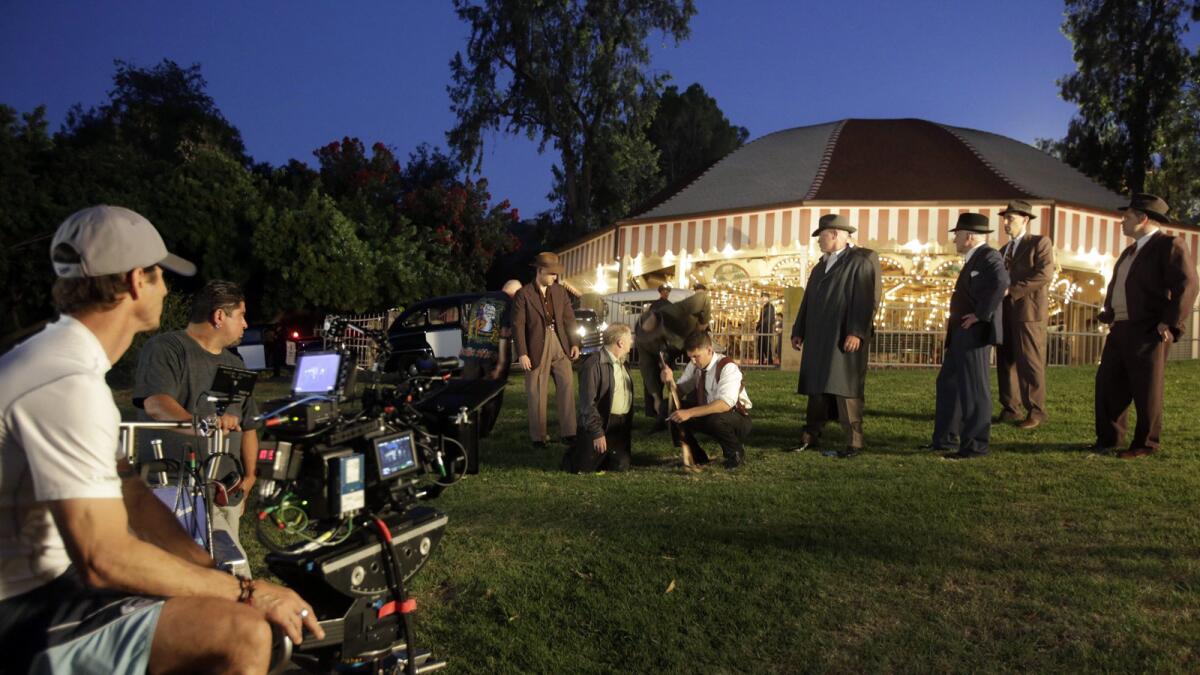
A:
(102, 240)
(84, 537)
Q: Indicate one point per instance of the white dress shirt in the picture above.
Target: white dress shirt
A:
(729, 389)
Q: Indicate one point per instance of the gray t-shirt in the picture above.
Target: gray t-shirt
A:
(176, 365)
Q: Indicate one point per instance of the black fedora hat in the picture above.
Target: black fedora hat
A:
(972, 222)
(833, 221)
(1154, 207)
(1019, 206)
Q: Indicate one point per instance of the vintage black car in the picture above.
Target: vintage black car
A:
(434, 328)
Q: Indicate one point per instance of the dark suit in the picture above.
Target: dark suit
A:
(676, 321)
(547, 350)
(596, 419)
(1021, 359)
(766, 330)
(1160, 287)
(964, 398)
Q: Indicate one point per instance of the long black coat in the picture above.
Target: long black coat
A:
(837, 304)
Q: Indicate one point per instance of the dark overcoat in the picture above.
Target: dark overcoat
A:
(837, 304)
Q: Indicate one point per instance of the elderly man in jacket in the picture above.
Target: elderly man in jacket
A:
(605, 406)
(834, 326)
(963, 416)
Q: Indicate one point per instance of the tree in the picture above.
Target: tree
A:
(28, 216)
(571, 74)
(691, 133)
(1131, 69)
(1176, 178)
(156, 110)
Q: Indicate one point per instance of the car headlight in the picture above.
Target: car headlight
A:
(581, 331)
(602, 327)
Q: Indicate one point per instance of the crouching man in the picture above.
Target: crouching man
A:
(713, 399)
(605, 405)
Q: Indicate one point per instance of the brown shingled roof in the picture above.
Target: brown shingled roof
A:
(907, 160)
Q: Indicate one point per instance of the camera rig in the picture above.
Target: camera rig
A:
(341, 479)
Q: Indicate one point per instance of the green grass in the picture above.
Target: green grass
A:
(1039, 558)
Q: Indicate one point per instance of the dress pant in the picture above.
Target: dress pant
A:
(554, 363)
(848, 411)
(1021, 369)
(1132, 366)
(729, 428)
(585, 459)
(963, 417)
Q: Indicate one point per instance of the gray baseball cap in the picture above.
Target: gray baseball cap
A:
(112, 240)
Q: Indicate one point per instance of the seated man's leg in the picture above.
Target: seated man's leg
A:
(583, 455)
(618, 457)
(210, 635)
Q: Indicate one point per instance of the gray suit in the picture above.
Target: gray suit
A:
(964, 397)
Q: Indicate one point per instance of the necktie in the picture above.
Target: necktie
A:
(701, 394)
(1009, 251)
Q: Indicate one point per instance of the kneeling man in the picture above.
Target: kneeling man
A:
(714, 401)
(605, 404)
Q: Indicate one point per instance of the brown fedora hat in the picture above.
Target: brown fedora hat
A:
(972, 222)
(833, 221)
(1019, 206)
(1154, 207)
(549, 261)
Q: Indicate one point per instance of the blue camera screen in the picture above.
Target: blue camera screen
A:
(317, 373)
(395, 454)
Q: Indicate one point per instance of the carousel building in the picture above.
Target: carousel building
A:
(745, 226)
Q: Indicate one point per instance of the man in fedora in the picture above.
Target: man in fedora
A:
(664, 297)
(963, 416)
(1021, 359)
(834, 325)
(1149, 298)
(544, 332)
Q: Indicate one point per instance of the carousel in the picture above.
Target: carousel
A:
(745, 227)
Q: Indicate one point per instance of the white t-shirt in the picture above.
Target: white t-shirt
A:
(58, 440)
(729, 389)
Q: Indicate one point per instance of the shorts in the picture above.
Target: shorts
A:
(66, 626)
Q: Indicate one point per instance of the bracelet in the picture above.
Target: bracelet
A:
(247, 590)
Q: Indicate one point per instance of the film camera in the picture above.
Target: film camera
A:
(341, 485)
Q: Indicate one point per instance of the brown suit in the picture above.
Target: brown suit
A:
(547, 351)
(1021, 359)
(1160, 288)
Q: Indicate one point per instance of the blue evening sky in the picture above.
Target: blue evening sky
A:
(293, 76)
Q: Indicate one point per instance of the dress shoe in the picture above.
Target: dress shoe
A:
(931, 446)
(1029, 423)
(734, 461)
(1099, 449)
(1136, 452)
(1004, 418)
(849, 452)
(568, 440)
(955, 456)
(804, 445)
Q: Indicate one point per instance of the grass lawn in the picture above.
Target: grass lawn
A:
(1039, 558)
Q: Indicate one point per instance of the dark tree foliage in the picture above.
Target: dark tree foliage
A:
(359, 232)
(1132, 69)
(691, 133)
(571, 74)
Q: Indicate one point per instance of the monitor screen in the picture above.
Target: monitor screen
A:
(396, 455)
(317, 373)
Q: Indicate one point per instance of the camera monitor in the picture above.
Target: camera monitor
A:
(233, 384)
(395, 455)
(318, 373)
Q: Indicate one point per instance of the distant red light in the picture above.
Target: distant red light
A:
(295, 335)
